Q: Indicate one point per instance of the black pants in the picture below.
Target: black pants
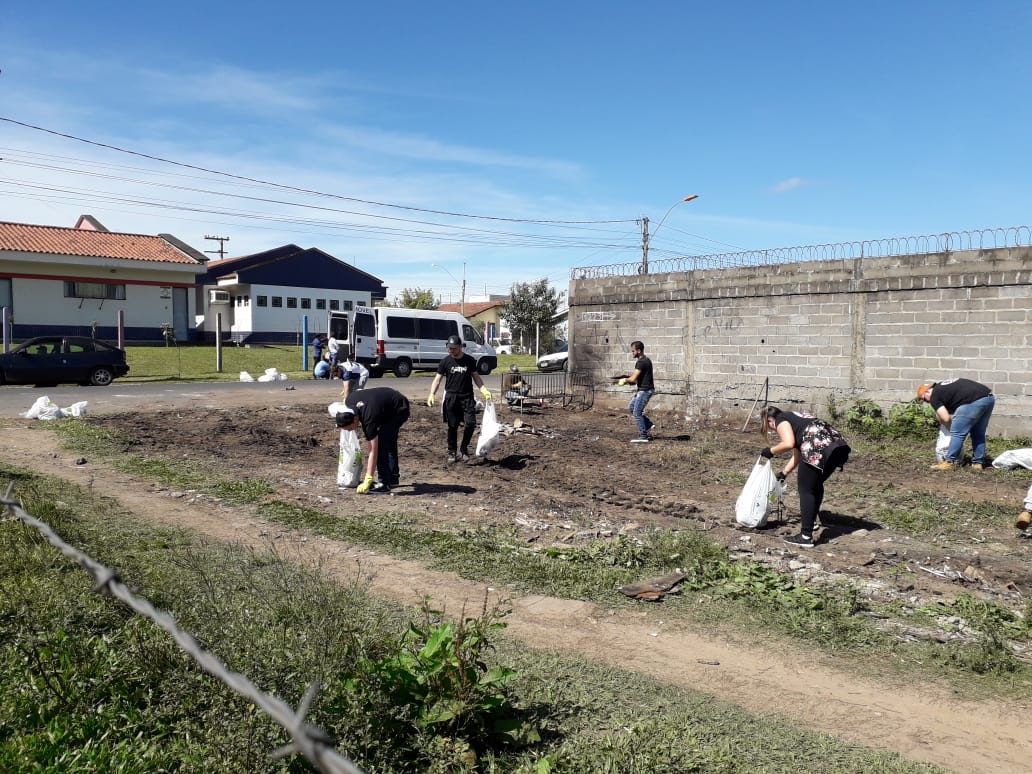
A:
(460, 410)
(811, 486)
(387, 466)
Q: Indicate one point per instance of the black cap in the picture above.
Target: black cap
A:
(454, 341)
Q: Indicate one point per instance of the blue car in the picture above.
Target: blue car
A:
(63, 359)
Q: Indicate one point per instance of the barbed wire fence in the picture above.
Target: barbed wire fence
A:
(982, 239)
(310, 741)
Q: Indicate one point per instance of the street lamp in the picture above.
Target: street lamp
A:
(462, 301)
(645, 232)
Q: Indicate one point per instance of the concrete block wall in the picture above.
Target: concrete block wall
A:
(837, 329)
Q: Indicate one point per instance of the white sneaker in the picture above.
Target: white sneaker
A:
(640, 439)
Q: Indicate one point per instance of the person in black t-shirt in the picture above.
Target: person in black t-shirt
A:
(459, 372)
(380, 412)
(963, 407)
(817, 449)
(642, 377)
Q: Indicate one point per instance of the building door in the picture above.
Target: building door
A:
(181, 314)
(5, 294)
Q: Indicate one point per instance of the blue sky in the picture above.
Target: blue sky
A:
(556, 126)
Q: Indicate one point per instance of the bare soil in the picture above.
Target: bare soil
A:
(563, 476)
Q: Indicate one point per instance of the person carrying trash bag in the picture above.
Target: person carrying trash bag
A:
(380, 412)
(459, 372)
(817, 449)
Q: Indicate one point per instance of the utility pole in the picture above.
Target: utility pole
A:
(221, 252)
(644, 245)
(462, 303)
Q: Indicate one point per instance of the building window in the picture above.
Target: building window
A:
(348, 306)
(291, 303)
(94, 290)
(306, 303)
(320, 303)
(247, 300)
(261, 300)
(239, 300)
(334, 305)
(277, 301)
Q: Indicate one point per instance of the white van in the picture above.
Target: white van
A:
(404, 340)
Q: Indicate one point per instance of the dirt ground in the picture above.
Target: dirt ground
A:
(561, 476)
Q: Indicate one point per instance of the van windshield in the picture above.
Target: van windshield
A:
(469, 333)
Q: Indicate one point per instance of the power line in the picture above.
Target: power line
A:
(297, 189)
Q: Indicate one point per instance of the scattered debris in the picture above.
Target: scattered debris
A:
(654, 589)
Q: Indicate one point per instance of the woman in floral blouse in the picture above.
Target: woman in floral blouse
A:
(817, 449)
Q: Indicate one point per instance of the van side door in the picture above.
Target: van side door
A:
(433, 338)
(364, 335)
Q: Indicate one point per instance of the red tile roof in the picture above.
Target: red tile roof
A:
(472, 308)
(25, 238)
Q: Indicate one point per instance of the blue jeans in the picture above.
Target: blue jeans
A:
(637, 408)
(970, 419)
(387, 451)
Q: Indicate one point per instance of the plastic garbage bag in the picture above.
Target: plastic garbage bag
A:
(349, 461)
(942, 444)
(246, 377)
(1014, 458)
(270, 375)
(490, 431)
(336, 408)
(44, 408)
(761, 492)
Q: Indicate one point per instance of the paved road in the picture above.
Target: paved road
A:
(136, 396)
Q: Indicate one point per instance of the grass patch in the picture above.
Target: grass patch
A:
(200, 363)
(87, 686)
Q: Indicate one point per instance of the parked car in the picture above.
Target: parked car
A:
(556, 361)
(63, 359)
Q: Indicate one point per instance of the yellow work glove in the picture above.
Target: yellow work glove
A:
(622, 382)
(430, 400)
(486, 393)
(365, 486)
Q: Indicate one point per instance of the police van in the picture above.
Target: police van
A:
(403, 340)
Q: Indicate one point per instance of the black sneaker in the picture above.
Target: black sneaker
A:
(800, 541)
(452, 458)
(464, 456)
(379, 488)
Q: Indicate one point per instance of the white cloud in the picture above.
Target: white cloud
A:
(789, 185)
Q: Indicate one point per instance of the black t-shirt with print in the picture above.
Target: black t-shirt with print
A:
(458, 374)
(954, 393)
(376, 406)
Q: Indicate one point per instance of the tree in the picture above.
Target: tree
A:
(417, 298)
(532, 304)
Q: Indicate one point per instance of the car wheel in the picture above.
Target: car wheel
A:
(483, 367)
(566, 365)
(101, 377)
(403, 369)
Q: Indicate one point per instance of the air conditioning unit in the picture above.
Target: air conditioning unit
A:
(218, 297)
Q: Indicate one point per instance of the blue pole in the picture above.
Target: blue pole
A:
(304, 342)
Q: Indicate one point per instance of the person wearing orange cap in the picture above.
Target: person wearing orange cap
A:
(962, 406)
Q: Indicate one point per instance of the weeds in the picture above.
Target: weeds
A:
(86, 686)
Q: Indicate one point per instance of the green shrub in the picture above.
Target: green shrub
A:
(904, 420)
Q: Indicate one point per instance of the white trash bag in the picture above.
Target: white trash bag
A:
(349, 461)
(761, 492)
(490, 431)
(942, 444)
(246, 377)
(336, 408)
(270, 375)
(44, 408)
(1014, 458)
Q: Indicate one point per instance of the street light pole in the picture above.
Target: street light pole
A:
(462, 298)
(645, 232)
